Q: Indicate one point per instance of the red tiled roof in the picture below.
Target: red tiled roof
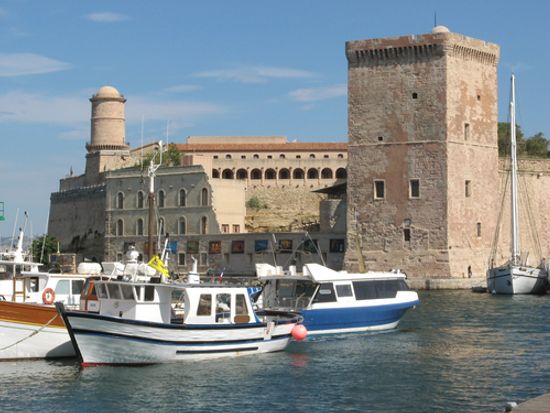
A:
(264, 147)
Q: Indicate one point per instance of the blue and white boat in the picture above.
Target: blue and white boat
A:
(337, 301)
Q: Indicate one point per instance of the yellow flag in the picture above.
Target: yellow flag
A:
(158, 265)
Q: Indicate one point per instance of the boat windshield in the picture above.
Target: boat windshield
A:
(288, 294)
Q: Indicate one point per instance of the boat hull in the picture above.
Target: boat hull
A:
(32, 331)
(374, 317)
(101, 340)
(515, 279)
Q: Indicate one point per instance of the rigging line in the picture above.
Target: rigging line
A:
(531, 220)
(499, 221)
(32, 334)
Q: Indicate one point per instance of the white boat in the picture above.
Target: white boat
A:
(145, 323)
(337, 301)
(30, 326)
(515, 276)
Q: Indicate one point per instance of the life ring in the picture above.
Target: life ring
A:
(48, 296)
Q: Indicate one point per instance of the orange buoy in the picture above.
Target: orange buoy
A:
(48, 296)
(299, 332)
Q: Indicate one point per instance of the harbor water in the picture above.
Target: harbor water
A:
(458, 351)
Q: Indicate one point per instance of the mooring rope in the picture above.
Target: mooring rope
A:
(32, 334)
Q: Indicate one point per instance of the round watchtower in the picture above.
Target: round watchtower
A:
(108, 121)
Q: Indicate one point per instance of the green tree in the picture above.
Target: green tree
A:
(50, 246)
(537, 146)
(170, 157)
(504, 139)
(255, 203)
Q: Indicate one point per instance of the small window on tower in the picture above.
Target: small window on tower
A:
(406, 234)
(379, 189)
(478, 229)
(380, 138)
(468, 189)
(415, 95)
(414, 188)
(466, 131)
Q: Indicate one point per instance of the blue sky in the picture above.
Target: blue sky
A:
(217, 68)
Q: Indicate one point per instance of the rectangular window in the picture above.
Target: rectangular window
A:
(149, 293)
(406, 234)
(114, 292)
(181, 258)
(344, 290)
(325, 294)
(337, 245)
(127, 292)
(225, 228)
(76, 287)
(237, 247)
(414, 188)
(468, 189)
(379, 189)
(478, 228)
(236, 228)
(205, 304)
(62, 287)
(203, 258)
(466, 131)
(215, 247)
(223, 307)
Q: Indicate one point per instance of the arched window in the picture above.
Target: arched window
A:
(161, 199)
(242, 174)
(215, 173)
(282, 156)
(183, 198)
(162, 226)
(270, 174)
(204, 197)
(182, 227)
(256, 174)
(312, 173)
(341, 173)
(139, 227)
(340, 156)
(256, 156)
(120, 200)
(298, 173)
(326, 173)
(312, 156)
(284, 174)
(227, 174)
(227, 156)
(120, 227)
(140, 199)
(204, 225)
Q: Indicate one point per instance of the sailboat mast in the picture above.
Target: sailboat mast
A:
(514, 167)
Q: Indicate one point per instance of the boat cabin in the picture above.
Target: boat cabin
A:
(319, 285)
(175, 303)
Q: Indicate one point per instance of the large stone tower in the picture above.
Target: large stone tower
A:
(423, 159)
(107, 149)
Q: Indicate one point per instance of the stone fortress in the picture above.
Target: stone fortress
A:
(425, 186)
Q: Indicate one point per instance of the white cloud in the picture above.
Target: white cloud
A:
(182, 88)
(106, 17)
(318, 93)
(70, 110)
(254, 74)
(21, 64)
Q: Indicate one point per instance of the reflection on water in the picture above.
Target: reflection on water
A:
(458, 351)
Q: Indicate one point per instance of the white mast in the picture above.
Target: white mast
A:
(515, 221)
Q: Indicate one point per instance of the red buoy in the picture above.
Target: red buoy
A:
(299, 332)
